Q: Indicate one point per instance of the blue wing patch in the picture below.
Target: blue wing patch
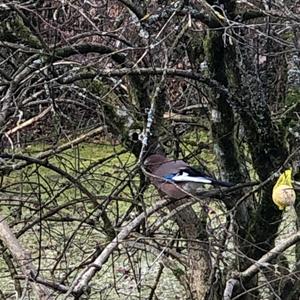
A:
(169, 176)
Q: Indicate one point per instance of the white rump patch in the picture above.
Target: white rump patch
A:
(185, 177)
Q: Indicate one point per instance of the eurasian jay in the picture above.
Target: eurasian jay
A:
(174, 177)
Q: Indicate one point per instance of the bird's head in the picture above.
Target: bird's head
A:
(153, 161)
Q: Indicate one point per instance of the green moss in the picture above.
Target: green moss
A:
(179, 272)
(42, 184)
(293, 97)
(14, 30)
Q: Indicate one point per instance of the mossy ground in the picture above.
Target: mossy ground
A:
(59, 242)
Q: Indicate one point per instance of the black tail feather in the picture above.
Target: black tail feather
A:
(194, 172)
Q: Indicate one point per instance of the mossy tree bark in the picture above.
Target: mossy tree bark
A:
(265, 142)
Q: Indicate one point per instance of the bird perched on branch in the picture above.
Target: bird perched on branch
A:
(283, 192)
(175, 178)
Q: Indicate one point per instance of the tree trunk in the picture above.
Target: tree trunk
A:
(193, 230)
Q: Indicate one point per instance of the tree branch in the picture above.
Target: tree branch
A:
(138, 12)
(53, 151)
(23, 259)
(108, 227)
(189, 74)
(255, 267)
(81, 282)
(29, 121)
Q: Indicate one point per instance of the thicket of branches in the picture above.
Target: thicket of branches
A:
(88, 89)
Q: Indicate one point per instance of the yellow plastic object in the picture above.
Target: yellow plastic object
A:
(283, 192)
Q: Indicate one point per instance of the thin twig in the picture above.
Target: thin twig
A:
(29, 121)
(256, 266)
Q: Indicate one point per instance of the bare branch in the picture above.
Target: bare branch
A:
(83, 279)
(138, 12)
(261, 263)
(30, 121)
(23, 258)
(45, 154)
